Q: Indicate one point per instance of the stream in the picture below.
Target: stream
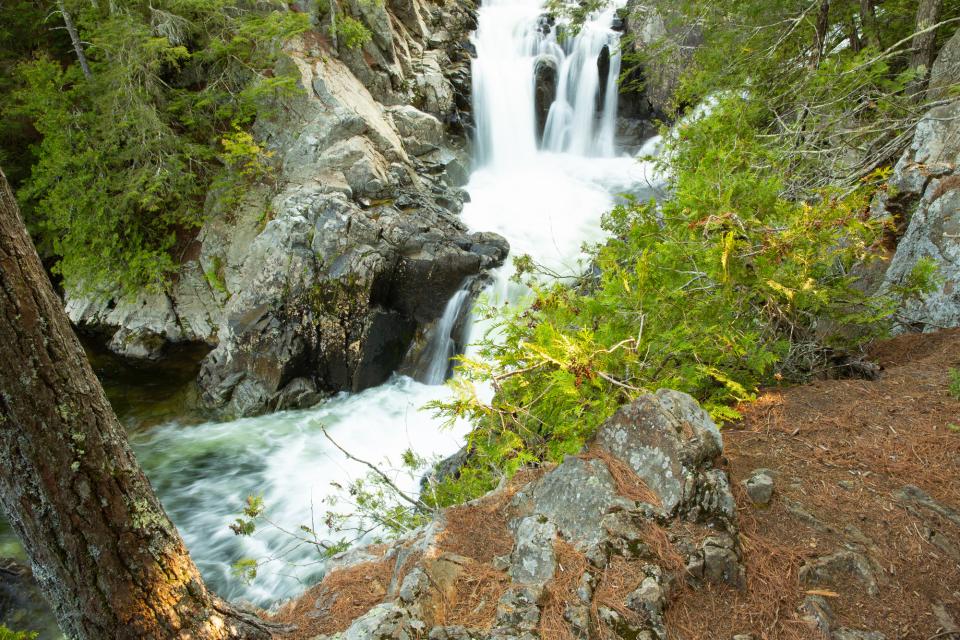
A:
(544, 192)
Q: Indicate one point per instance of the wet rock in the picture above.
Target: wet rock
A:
(22, 605)
(830, 570)
(545, 89)
(759, 487)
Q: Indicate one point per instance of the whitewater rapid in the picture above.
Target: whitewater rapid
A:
(545, 196)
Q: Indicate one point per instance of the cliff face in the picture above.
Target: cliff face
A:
(922, 202)
(320, 278)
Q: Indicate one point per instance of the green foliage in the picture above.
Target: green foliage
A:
(245, 569)
(723, 287)
(955, 383)
(246, 524)
(352, 32)
(122, 161)
(8, 634)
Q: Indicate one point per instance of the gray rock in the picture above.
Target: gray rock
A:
(759, 487)
(574, 497)
(517, 614)
(666, 438)
(718, 561)
(924, 196)
(855, 634)
(829, 570)
(818, 614)
(533, 561)
(672, 44)
(945, 72)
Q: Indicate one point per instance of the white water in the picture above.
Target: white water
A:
(547, 203)
(443, 344)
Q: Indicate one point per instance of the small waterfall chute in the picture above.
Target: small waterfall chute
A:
(444, 341)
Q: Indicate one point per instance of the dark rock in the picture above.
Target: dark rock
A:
(22, 605)
(545, 75)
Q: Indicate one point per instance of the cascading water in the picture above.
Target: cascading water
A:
(546, 202)
(443, 345)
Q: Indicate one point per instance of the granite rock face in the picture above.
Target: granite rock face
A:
(319, 279)
(922, 203)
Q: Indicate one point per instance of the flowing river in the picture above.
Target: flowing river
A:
(545, 192)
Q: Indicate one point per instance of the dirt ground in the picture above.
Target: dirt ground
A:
(841, 452)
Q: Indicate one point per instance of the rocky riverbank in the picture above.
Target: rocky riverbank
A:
(830, 512)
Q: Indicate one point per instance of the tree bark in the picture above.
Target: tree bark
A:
(74, 38)
(871, 28)
(103, 550)
(928, 13)
(820, 34)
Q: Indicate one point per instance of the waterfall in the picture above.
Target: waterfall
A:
(442, 345)
(545, 198)
(511, 40)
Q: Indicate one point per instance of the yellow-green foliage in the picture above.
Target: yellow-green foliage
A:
(722, 287)
(8, 634)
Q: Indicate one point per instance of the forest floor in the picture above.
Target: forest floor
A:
(869, 469)
(842, 453)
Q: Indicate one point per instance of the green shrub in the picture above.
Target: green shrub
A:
(8, 634)
(121, 161)
(955, 383)
(719, 289)
(352, 33)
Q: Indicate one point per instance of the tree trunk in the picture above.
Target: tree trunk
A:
(928, 13)
(820, 34)
(871, 29)
(856, 45)
(103, 550)
(333, 24)
(74, 38)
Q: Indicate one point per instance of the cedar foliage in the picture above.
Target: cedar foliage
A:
(745, 275)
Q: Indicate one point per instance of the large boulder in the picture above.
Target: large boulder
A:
(571, 546)
(669, 441)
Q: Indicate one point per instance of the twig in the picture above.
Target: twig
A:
(414, 501)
